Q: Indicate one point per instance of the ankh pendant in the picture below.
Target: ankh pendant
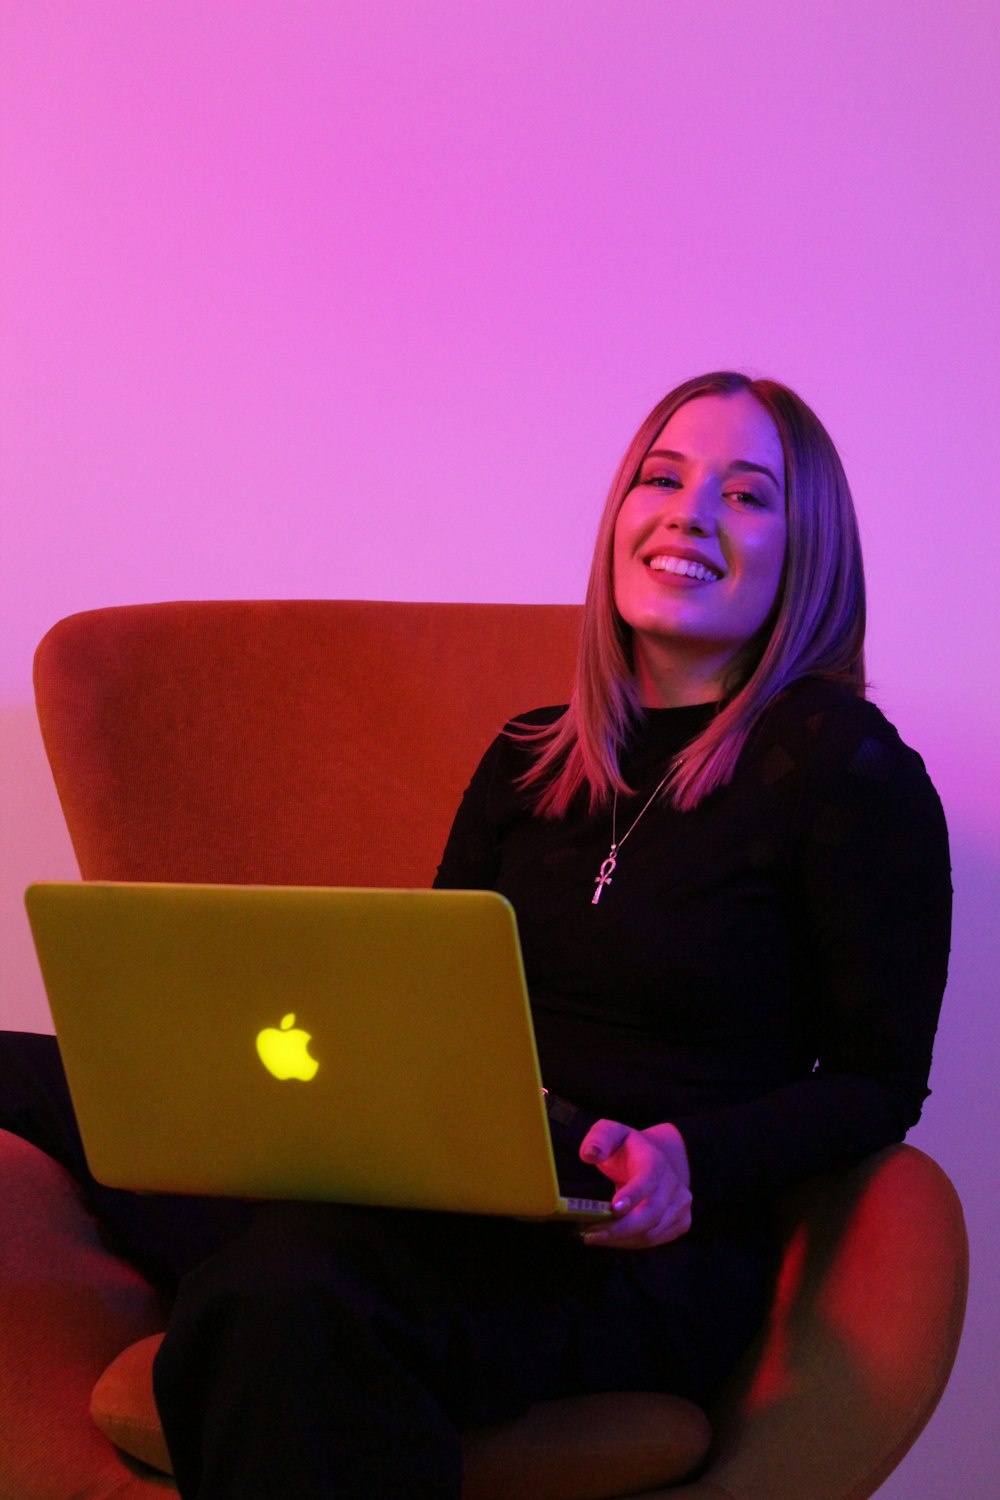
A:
(607, 869)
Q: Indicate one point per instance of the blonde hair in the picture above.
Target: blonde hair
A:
(815, 629)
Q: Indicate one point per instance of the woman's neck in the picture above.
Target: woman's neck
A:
(669, 683)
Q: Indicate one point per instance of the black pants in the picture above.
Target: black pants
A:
(324, 1351)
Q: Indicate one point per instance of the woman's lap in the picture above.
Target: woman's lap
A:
(522, 1311)
(371, 1337)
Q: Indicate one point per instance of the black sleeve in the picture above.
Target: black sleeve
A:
(871, 903)
(471, 858)
(492, 801)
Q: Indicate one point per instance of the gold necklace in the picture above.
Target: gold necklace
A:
(610, 864)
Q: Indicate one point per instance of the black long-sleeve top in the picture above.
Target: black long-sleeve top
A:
(764, 971)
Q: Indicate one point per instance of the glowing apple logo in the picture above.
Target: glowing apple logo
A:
(284, 1051)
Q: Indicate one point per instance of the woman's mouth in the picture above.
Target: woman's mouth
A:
(683, 567)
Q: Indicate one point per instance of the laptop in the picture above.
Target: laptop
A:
(358, 1046)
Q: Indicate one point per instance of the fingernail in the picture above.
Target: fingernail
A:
(620, 1205)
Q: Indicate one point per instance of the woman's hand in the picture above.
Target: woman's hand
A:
(649, 1169)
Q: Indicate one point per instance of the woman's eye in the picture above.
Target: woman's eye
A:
(746, 498)
(664, 480)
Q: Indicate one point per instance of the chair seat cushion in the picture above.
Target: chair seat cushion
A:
(580, 1448)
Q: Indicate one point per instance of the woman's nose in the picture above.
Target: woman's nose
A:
(691, 511)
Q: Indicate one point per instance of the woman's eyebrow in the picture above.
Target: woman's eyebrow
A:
(739, 465)
(666, 453)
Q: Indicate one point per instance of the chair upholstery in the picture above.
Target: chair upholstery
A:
(66, 1309)
(297, 743)
(328, 743)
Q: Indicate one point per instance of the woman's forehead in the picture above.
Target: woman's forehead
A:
(723, 429)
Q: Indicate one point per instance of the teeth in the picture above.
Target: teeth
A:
(684, 568)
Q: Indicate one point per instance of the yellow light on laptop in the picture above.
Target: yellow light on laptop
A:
(284, 1050)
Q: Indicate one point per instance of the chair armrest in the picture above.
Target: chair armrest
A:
(67, 1307)
(859, 1342)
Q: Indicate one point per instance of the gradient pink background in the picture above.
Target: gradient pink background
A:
(364, 299)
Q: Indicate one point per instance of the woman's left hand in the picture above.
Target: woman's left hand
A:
(649, 1169)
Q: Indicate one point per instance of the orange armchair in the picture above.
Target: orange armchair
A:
(329, 743)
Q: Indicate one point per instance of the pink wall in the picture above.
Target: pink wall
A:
(364, 299)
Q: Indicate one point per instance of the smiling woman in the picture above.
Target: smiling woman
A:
(724, 861)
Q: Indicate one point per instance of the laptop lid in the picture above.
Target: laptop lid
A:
(364, 1046)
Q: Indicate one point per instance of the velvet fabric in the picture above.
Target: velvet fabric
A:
(67, 1307)
(282, 743)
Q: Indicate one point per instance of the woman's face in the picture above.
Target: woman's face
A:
(699, 545)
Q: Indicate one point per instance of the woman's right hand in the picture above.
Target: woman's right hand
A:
(650, 1171)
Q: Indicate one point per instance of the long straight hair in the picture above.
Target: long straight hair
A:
(816, 627)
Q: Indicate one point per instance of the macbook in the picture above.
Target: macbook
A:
(360, 1046)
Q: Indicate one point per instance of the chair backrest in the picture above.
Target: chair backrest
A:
(288, 742)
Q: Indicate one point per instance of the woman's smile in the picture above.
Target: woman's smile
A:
(683, 568)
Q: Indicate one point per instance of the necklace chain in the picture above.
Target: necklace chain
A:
(610, 864)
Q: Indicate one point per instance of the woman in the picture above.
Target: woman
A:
(767, 863)
(731, 881)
